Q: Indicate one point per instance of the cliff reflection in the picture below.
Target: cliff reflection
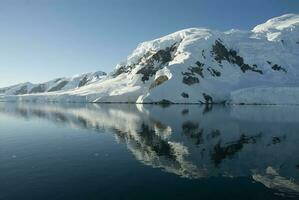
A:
(193, 141)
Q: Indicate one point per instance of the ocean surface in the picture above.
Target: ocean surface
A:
(128, 151)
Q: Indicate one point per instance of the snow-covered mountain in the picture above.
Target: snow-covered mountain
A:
(59, 84)
(200, 65)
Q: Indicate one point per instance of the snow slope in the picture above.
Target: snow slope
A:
(200, 65)
(59, 84)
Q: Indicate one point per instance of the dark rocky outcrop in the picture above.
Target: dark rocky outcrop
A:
(165, 102)
(147, 72)
(158, 81)
(22, 90)
(214, 72)
(277, 67)
(188, 79)
(156, 62)
(185, 95)
(38, 89)
(83, 81)
(121, 70)
(203, 54)
(208, 98)
(221, 53)
(150, 62)
(58, 87)
(278, 139)
(197, 69)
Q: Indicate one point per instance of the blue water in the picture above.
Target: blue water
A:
(119, 151)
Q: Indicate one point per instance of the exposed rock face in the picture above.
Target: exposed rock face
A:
(38, 89)
(231, 56)
(59, 86)
(277, 67)
(185, 95)
(156, 62)
(200, 66)
(188, 79)
(214, 72)
(121, 70)
(208, 98)
(165, 101)
(22, 90)
(83, 81)
(197, 69)
(151, 62)
(147, 72)
(158, 81)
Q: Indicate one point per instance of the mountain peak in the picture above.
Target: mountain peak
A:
(195, 65)
(166, 41)
(278, 23)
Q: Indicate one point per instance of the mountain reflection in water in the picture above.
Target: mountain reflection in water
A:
(192, 141)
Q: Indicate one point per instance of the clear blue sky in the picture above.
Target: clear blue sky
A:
(45, 39)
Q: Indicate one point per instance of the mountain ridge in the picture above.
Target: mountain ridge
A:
(199, 65)
(57, 84)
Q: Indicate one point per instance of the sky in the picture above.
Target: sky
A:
(45, 39)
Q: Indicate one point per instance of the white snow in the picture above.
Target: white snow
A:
(268, 73)
(288, 21)
(266, 95)
(71, 83)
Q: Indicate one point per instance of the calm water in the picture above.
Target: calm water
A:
(112, 151)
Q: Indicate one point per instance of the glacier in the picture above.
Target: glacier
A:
(195, 65)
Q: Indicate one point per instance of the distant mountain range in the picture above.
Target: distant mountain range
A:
(195, 65)
(59, 84)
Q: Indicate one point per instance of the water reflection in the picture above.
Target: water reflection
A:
(258, 142)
